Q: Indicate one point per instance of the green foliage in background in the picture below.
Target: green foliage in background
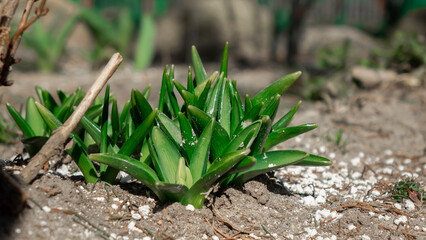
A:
(109, 35)
(333, 57)
(405, 52)
(49, 44)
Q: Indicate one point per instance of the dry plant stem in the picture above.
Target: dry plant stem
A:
(56, 142)
(8, 48)
(6, 16)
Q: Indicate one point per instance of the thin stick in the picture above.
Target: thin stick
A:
(56, 142)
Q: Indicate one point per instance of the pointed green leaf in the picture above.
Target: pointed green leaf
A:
(189, 138)
(183, 175)
(245, 138)
(286, 119)
(133, 167)
(190, 82)
(82, 160)
(248, 104)
(224, 65)
(51, 121)
(115, 121)
(224, 108)
(124, 113)
(95, 132)
(314, 160)
(140, 106)
(145, 156)
(147, 91)
(61, 95)
(167, 155)
(270, 109)
(281, 135)
(163, 91)
(200, 72)
(46, 99)
(201, 120)
(266, 162)
(66, 109)
(275, 88)
(198, 163)
(138, 135)
(214, 97)
(20, 121)
(33, 118)
(205, 86)
(170, 128)
(258, 143)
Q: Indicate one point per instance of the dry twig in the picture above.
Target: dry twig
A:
(8, 48)
(56, 142)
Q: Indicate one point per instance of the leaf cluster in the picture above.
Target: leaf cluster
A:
(180, 151)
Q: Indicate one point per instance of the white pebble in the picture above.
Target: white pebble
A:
(136, 216)
(355, 161)
(332, 155)
(402, 219)
(114, 206)
(189, 207)
(388, 152)
(361, 154)
(356, 175)
(389, 161)
(387, 171)
(322, 149)
(375, 193)
(18, 230)
(46, 209)
(298, 139)
(215, 238)
(365, 237)
(406, 161)
(100, 199)
(409, 205)
(351, 227)
(144, 210)
(397, 206)
(132, 227)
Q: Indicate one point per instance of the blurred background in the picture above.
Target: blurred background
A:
(332, 41)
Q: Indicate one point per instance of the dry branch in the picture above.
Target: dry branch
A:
(55, 144)
(8, 47)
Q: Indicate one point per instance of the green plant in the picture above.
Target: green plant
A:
(108, 35)
(404, 53)
(338, 139)
(41, 119)
(334, 57)
(408, 188)
(48, 47)
(179, 151)
(211, 139)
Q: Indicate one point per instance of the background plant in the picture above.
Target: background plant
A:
(47, 46)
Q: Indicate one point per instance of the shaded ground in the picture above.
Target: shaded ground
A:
(383, 141)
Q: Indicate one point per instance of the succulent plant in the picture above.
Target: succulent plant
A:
(178, 151)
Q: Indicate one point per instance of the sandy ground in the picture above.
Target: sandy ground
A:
(383, 141)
